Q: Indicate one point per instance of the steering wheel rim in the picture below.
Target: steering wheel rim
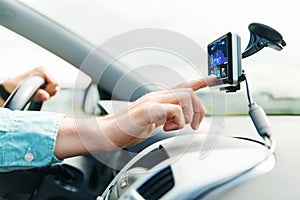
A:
(23, 94)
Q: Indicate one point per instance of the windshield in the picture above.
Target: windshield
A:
(272, 74)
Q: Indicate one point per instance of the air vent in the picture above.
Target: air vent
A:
(158, 185)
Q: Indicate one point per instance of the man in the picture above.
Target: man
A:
(33, 139)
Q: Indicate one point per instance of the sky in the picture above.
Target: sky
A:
(201, 21)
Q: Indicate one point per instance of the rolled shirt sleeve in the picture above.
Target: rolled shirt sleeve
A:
(27, 138)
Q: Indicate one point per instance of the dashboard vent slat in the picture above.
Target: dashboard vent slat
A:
(158, 185)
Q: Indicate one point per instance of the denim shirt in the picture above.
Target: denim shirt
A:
(27, 139)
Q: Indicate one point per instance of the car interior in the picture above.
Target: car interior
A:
(173, 165)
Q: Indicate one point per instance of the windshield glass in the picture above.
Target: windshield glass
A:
(272, 74)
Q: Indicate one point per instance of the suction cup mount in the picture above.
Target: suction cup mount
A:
(260, 36)
(263, 36)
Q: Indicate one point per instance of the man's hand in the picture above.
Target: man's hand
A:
(42, 94)
(172, 109)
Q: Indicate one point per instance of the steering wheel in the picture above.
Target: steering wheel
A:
(23, 95)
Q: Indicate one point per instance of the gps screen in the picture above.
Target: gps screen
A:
(218, 58)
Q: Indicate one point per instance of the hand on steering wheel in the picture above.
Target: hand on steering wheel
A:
(24, 93)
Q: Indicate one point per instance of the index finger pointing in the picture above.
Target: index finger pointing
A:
(199, 83)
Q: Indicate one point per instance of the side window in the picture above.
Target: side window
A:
(19, 55)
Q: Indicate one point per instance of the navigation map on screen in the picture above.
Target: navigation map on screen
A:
(218, 58)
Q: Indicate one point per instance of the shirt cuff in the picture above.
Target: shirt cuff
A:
(29, 139)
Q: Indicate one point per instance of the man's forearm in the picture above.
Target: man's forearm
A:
(81, 136)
